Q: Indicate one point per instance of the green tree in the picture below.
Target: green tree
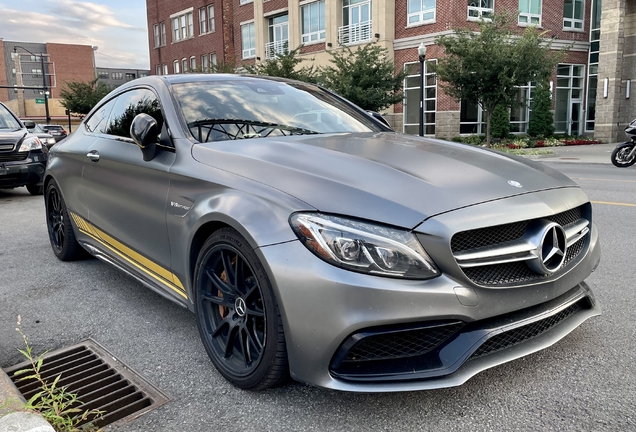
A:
(285, 65)
(500, 127)
(80, 97)
(486, 67)
(365, 76)
(541, 118)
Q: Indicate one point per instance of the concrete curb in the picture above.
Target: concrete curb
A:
(12, 419)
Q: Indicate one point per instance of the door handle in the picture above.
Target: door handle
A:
(93, 155)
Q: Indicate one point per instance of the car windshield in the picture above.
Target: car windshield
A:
(255, 108)
(7, 120)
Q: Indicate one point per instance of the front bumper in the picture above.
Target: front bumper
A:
(20, 173)
(323, 306)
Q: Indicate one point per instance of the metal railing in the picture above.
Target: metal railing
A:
(277, 47)
(355, 33)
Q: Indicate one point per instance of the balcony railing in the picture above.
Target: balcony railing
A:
(278, 47)
(355, 33)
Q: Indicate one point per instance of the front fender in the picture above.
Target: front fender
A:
(262, 219)
(625, 144)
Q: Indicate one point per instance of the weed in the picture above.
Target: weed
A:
(58, 406)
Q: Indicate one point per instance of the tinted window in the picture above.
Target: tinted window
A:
(7, 121)
(127, 106)
(98, 121)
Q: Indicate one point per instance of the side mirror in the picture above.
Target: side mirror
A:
(378, 116)
(145, 133)
(29, 124)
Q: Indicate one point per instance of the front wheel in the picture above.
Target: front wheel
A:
(237, 313)
(63, 242)
(621, 156)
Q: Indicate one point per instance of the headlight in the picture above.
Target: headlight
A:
(31, 143)
(364, 247)
(50, 140)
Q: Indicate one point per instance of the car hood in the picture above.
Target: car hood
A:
(385, 177)
(11, 136)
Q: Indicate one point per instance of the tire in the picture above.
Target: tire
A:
(237, 313)
(620, 154)
(35, 189)
(58, 224)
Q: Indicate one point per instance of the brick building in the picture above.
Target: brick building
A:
(62, 62)
(590, 87)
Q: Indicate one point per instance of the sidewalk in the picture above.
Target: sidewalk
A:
(13, 420)
(594, 153)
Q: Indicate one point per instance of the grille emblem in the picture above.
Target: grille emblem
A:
(551, 250)
(514, 183)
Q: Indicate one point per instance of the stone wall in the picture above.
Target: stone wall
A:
(447, 124)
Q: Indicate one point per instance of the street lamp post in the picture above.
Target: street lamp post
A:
(421, 51)
(44, 86)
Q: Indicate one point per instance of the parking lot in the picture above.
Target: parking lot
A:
(585, 382)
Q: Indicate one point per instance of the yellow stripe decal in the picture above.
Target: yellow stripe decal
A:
(614, 203)
(142, 263)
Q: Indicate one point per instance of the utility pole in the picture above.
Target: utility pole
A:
(44, 86)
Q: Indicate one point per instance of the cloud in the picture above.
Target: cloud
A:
(121, 44)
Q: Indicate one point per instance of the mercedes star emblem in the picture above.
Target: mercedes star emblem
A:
(240, 307)
(514, 183)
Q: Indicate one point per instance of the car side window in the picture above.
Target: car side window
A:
(127, 106)
(98, 121)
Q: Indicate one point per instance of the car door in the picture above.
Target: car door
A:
(127, 196)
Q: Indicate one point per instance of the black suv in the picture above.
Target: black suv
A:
(22, 157)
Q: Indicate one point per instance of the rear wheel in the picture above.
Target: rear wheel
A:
(621, 158)
(58, 223)
(237, 313)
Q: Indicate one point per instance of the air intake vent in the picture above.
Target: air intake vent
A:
(100, 381)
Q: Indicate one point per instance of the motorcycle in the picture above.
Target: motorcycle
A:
(624, 154)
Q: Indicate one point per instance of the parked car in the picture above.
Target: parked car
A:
(57, 131)
(22, 157)
(45, 137)
(310, 240)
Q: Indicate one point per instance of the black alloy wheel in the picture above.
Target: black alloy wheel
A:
(620, 156)
(61, 234)
(237, 314)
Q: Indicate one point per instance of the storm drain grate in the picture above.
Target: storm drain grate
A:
(100, 381)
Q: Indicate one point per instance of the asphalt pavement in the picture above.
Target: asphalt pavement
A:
(583, 383)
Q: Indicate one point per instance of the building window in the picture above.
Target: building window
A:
(158, 70)
(102, 75)
(130, 76)
(592, 69)
(211, 26)
(248, 40)
(163, 33)
(193, 64)
(521, 110)
(245, 1)
(356, 22)
(117, 75)
(312, 17)
(213, 59)
(569, 99)
(573, 15)
(411, 101)
(143, 74)
(205, 66)
(175, 65)
(157, 34)
(471, 120)
(421, 11)
(480, 9)
(182, 27)
(165, 69)
(278, 36)
(529, 12)
(203, 21)
(184, 65)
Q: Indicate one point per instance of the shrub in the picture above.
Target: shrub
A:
(541, 118)
(500, 122)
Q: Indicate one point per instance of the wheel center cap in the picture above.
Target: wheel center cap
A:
(240, 307)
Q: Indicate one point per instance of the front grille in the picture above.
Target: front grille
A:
(13, 156)
(481, 237)
(400, 344)
(524, 333)
(100, 382)
(518, 272)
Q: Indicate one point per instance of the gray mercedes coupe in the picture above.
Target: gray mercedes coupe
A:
(312, 241)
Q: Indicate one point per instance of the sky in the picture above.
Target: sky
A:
(117, 27)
